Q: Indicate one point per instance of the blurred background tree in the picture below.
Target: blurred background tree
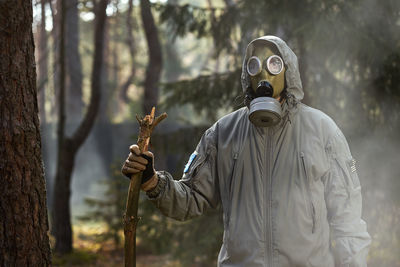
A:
(186, 57)
(68, 146)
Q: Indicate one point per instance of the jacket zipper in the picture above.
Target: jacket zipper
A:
(308, 193)
(268, 196)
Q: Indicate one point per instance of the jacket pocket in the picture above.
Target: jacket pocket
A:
(227, 202)
(229, 191)
(308, 195)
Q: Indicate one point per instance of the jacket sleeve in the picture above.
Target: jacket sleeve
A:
(197, 190)
(350, 239)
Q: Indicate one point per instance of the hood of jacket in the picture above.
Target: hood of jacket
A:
(292, 74)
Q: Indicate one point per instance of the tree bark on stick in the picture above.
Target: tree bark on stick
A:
(147, 125)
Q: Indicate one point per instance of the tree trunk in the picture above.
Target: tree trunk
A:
(154, 66)
(69, 146)
(61, 225)
(23, 219)
(73, 60)
(104, 140)
(42, 63)
(61, 230)
(104, 79)
(55, 34)
(130, 41)
(173, 63)
(43, 81)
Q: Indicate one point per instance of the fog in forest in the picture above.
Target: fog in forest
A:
(349, 62)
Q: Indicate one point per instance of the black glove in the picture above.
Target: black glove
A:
(134, 164)
(149, 171)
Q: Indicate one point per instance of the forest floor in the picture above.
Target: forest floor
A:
(89, 251)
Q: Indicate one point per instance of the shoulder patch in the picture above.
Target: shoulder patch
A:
(189, 163)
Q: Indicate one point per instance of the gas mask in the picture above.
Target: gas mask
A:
(267, 76)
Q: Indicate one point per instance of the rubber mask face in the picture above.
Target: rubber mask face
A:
(267, 77)
(266, 66)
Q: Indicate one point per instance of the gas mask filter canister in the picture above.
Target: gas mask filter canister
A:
(265, 110)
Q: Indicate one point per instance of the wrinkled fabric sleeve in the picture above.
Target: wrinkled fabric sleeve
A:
(197, 190)
(350, 239)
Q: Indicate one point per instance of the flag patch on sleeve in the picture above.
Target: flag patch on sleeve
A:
(189, 163)
(353, 165)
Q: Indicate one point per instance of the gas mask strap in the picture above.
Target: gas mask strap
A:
(249, 96)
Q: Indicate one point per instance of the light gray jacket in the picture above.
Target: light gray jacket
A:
(290, 194)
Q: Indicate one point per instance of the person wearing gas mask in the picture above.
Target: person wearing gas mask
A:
(281, 171)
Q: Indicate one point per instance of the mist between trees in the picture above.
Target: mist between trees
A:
(186, 56)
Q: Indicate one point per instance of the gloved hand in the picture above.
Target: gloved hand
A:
(136, 163)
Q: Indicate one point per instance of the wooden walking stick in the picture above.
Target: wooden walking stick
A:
(147, 125)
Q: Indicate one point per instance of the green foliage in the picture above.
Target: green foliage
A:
(77, 257)
(186, 18)
(199, 239)
(221, 91)
(343, 47)
(154, 232)
(109, 208)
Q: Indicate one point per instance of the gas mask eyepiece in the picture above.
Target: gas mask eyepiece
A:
(274, 65)
(254, 66)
